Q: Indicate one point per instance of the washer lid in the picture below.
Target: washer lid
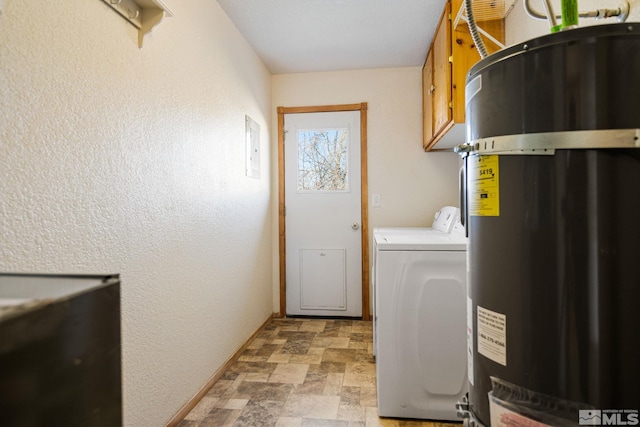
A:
(414, 240)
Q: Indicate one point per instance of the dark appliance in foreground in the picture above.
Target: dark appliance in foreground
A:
(551, 199)
(60, 357)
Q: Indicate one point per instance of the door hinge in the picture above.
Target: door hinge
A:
(450, 104)
(451, 59)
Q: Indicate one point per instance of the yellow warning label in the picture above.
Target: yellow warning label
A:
(484, 186)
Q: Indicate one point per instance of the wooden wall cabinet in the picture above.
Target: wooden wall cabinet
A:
(444, 73)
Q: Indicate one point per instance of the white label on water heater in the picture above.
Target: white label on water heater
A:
(492, 335)
(470, 339)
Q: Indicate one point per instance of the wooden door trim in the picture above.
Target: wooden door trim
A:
(364, 190)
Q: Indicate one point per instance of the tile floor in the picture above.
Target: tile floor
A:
(300, 372)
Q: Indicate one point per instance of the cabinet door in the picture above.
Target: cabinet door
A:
(427, 100)
(442, 114)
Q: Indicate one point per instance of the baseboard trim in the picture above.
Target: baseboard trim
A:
(191, 403)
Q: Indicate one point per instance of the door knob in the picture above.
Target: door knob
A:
(355, 225)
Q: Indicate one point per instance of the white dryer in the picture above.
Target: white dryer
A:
(420, 322)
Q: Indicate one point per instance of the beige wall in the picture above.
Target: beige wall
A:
(412, 184)
(116, 159)
(519, 27)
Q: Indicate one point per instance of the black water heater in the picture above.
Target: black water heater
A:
(551, 200)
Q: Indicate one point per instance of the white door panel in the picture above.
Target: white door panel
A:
(323, 281)
(323, 214)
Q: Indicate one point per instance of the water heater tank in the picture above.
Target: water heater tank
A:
(551, 202)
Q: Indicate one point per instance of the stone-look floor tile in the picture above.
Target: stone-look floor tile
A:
(257, 377)
(331, 342)
(219, 388)
(235, 403)
(345, 355)
(256, 344)
(267, 334)
(263, 391)
(269, 349)
(253, 358)
(259, 413)
(289, 373)
(270, 326)
(289, 422)
(361, 337)
(317, 326)
(357, 423)
(333, 385)
(362, 327)
(246, 367)
(358, 345)
(364, 356)
(360, 375)
(307, 359)
(295, 335)
(279, 341)
(283, 322)
(289, 328)
(344, 323)
(368, 396)
(296, 346)
(409, 423)
(188, 423)
(311, 406)
(279, 358)
(220, 417)
(229, 375)
(373, 420)
(310, 422)
(350, 396)
(313, 383)
(316, 350)
(351, 413)
(202, 409)
(234, 386)
(329, 333)
(329, 367)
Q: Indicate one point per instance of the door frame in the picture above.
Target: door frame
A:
(364, 201)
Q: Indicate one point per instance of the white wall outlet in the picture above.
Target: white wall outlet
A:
(375, 200)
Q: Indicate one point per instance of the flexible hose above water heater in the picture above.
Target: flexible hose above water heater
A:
(474, 30)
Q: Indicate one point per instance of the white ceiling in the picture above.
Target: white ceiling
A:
(296, 36)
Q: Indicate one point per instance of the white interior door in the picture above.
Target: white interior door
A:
(323, 214)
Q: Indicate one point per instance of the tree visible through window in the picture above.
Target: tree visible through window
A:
(322, 159)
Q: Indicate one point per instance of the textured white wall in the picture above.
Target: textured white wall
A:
(519, 27)
(116, 159)
(412, 184)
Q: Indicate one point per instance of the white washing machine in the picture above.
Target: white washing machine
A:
(443, 222)
(420, 321)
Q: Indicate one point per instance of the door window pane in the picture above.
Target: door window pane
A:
(322, 159)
